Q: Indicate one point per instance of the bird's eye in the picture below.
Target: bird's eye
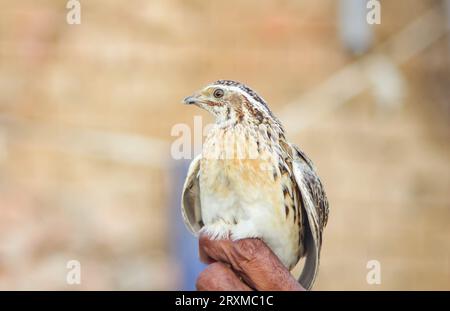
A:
(218, 93)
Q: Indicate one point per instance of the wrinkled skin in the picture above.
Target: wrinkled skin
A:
(242, 265)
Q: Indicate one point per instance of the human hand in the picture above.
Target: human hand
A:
(246, 264)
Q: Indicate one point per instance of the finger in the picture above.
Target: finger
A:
(214, 250)
(204, 257)
(218, 276)
(261, 268)
(253, 261)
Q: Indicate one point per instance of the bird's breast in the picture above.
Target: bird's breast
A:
(242, 193)
(239, 164)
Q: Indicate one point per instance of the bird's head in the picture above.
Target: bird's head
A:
(231, 101)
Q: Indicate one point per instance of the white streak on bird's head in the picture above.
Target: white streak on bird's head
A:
(231, 102)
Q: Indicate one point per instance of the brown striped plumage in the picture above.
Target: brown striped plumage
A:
(251, 182)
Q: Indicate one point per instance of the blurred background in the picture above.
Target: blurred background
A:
(87, 112)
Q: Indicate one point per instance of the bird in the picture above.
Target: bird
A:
(250, 182)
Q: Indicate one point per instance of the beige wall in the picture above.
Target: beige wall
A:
(86, 113)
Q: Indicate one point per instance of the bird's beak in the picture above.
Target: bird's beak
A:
(191, 100)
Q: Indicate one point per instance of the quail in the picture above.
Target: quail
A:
(250, 182)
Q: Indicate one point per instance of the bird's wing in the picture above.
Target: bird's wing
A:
(315, 205)
(190, 200)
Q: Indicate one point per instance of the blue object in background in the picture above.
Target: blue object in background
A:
(355, 32)
(185, 248)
